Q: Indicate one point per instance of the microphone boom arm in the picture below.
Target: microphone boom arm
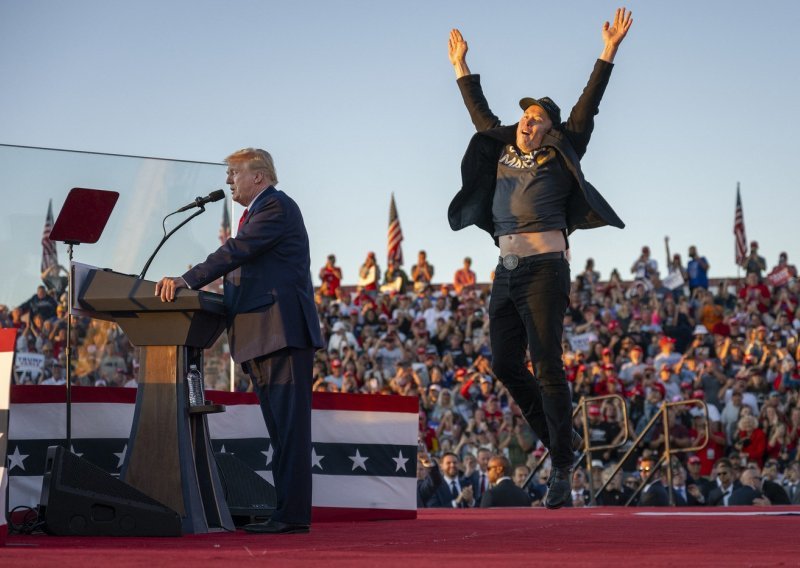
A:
(164, 240)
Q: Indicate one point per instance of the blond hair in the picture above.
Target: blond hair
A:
(255, 159)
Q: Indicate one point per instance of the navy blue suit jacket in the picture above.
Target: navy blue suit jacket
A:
(268, 292)
(443, 496)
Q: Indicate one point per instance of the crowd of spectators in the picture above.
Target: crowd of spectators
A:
(657, 336)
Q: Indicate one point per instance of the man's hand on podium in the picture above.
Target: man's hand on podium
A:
(166, 287)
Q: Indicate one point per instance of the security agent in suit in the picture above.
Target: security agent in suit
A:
(503, 491)
(273, 327)
(726, 484)
(654, 493)
(454, 491)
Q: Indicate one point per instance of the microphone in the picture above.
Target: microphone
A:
(200, 201)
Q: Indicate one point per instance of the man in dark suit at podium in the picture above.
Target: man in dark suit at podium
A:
(273, 327)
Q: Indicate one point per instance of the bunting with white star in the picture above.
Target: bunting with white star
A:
(8, 338)
(363, 447)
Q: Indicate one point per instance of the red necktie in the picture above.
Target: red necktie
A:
(241, 220)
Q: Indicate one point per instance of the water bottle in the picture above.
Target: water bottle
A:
(194, 381)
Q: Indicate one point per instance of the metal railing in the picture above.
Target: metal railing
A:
(662, 416)
(582, 409)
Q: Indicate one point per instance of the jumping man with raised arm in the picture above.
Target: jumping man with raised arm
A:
(523, 184)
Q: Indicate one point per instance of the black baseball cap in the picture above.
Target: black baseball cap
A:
(547, 104)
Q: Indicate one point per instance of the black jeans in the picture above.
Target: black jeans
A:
(527, 311)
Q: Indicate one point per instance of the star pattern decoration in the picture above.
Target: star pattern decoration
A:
(121, 456)
(400, 461)
(222, 450)
(316, 461)
(268, 454)
(359, 461)
(16, 459)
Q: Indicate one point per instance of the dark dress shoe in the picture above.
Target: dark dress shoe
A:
(559, 488)
(276, 527)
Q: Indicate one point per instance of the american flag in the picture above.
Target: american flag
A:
(395, 236)
(738, 230)
(225, 228)
(49, 253)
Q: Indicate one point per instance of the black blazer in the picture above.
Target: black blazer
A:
(654, 496)
(268, 291)
(505, 494)
(715, 495)
(776, 494)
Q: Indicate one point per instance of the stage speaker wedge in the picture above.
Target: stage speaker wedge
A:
(247, 493)
(79, 498)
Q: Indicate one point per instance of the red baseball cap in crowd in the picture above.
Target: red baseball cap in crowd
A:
(594, 410)
(336, 363)
(660, 388)
(693, 460)
(637, 348)
(460, 372)
(606, 351)
(721, 329)
(698, 394)
(666, 339)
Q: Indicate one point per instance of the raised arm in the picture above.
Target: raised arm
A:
(470, 85)
(580, 124)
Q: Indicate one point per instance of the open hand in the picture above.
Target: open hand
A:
(457, 47)
(614, 33)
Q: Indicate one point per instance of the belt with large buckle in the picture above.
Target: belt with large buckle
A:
(510, 261)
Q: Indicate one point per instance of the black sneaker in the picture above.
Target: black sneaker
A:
(559, 488)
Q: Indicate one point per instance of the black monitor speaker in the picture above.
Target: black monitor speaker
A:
(79, 498)
(248, 494)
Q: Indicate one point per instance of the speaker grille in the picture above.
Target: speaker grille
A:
(78, 474)
(246, 492)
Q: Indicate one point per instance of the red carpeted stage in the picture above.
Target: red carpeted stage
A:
(603, 536)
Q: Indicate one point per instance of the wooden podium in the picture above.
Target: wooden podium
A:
(169, 455)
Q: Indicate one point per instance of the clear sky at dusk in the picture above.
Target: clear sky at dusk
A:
(356, 100)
